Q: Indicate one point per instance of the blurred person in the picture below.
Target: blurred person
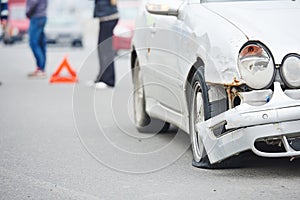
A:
(107, 12)
(36, 11)
(3, 15)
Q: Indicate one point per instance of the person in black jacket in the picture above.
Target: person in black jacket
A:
(3, 12)
(107, 12)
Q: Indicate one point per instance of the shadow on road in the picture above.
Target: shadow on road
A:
(255, 166)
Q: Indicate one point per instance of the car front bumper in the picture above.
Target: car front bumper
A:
(246, 124)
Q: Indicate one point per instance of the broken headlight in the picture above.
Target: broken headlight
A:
(290, 71)
(256, 66)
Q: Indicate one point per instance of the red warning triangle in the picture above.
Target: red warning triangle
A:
(57, 78)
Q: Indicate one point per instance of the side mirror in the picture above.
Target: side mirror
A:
(162, 9)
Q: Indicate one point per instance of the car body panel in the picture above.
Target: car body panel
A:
(123, 33)
(188, 34)
(258, 23)
(212, 35)
(165, 73)
(220, 62)
(18, 24)
(246, 123)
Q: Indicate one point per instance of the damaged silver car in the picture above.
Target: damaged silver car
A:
(225, 71)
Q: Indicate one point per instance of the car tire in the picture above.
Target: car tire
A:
(200, 109)
(8, 41)
(77, 43)
(143, 122)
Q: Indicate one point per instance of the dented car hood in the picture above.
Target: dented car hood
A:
(274, 23)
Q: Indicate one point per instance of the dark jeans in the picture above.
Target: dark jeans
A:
(37, 40)
(106, 53)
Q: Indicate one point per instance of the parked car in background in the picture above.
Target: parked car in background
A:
(123, 31)
(18, 24)
(225, 71)
(64, 30)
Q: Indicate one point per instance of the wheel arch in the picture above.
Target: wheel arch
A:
(199, 63)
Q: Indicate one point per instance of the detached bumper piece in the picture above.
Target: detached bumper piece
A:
(269, 130)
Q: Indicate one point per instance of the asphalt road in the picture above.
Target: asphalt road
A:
(65, 141)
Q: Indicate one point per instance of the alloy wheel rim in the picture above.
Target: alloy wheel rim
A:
(197, 117)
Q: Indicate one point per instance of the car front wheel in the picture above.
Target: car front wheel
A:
(200, 109)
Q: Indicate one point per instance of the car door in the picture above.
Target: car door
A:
(163, 83)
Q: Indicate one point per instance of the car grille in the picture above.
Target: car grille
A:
(276, 144)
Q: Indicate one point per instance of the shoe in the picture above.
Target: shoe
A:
(101, 85)
(37, 74)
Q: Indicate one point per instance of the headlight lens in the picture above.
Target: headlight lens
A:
(256, 66)
(290, 71)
